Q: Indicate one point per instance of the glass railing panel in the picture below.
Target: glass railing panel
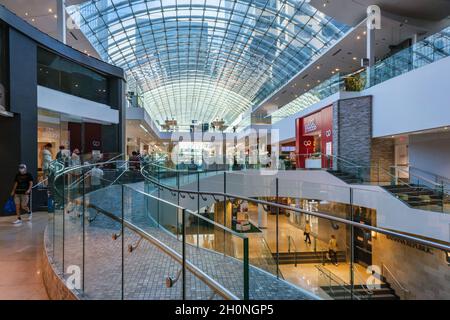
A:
(58, 190)
(326, 260)
(103, 243)
(419, 190)
(149, 272)
(255, 221)
(73, 238)
(422, 53)
(216, 250)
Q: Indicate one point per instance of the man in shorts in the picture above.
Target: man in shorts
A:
(21, 192)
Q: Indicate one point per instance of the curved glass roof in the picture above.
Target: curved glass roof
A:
(206, 59)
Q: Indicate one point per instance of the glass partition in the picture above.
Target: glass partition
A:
(291, 239)
(61, 74)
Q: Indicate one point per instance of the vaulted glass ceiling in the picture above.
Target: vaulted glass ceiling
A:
(206, 59)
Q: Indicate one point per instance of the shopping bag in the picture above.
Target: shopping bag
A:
(50, 205)
(10, 206)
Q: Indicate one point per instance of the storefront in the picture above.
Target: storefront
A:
(314, 139)
(287, 154)
(83, 99)
(57, 130)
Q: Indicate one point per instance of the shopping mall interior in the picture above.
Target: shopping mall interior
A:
(224, 150)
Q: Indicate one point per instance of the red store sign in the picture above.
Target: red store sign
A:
(307, 128)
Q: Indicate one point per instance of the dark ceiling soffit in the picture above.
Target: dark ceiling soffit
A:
(47, 41)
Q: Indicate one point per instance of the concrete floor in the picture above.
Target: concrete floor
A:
(20, 258)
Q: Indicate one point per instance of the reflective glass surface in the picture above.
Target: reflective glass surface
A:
(60, 74)
(206, 59)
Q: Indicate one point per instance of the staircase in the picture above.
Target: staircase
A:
(385, 292)
(417, 196)
(306, 257)
(345, 176)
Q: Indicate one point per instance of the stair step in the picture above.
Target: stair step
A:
(306, 257)
(339, 293)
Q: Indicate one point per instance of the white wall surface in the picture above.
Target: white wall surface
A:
(417, 100)
(430, 152)
(75, 106)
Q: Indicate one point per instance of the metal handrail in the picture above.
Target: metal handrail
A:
(315, 214)
(384, 267)
(428, 243)
(336, 279)
(82, 178)
(365, 287)
(416, 175)
(211, 283)
(442, 178)
(290, 239)
(216, 224)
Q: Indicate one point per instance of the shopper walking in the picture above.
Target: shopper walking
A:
(332, 250)
(96, 177)
(21, 191)
(46, 159)
(75, 158)
(307, 232)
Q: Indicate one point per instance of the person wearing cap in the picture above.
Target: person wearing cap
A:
(21, 192)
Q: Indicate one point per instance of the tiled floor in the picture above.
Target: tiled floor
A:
(285, 229)
(20, 259)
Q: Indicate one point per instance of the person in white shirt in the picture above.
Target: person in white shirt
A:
(96, 177)
(46, 159)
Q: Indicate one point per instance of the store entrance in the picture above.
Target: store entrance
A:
(314, 140)
(57, 130)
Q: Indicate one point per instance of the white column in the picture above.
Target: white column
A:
(370, 51)
(413, 44)
(61, 20)
(262, 217)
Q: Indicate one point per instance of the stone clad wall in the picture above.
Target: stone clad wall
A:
(425, 274)
(352, 129)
